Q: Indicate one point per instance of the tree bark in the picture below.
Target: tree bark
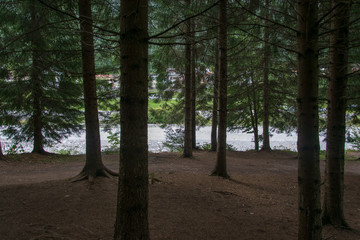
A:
(333, 210)
(214, 121)
(35, 39)
(37, 109)
(253, 112)
(220, 167)
(188, 126)
(132, 202)
(266, 100)
(93, 165)
(193, 85)
(309, 179)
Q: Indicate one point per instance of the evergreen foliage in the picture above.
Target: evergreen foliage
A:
(40, 64)
(41, 93)
(58, 49)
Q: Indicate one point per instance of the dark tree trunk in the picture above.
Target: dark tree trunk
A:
(37, 109)
(266, 100)
(93, 165)
(35, 39)
(253, 113)
(220, 167)
(132, 202)
(193, 85)
(256, 120)
(214, 121)
(333, 210)
(188, 125)
(309, 179)
(252, 119)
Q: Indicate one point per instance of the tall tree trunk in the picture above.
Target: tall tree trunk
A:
(252, 119)
(266, 100)
(220, 167)
(93, 165)
(309, 179)
(193, 85)
(333, 212)
(132, 202)
(35, 38)
(256, 119)
(253, 112)
(37, 109)
(188, 125)
(214, 119)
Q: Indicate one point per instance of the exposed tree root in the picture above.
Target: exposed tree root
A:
(341, 223)
(91, 175)
(43, 152)
(219, 174)
(187, 156)
(265, 149)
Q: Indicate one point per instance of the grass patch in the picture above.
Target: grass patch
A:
(158, 103)
(352, 155)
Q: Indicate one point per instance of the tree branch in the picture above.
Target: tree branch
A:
(77, 18)
(263, 18)
(182, 21)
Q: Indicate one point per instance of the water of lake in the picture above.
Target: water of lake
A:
(241, 141)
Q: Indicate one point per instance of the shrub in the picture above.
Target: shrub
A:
(174, 138)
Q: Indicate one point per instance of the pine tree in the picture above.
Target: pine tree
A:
(188, 101)
(333, 209)
(40, 93)
(93, 165)
(266, 87)
(250, 76)
(193, 81)
(220, 167)
(132, 203)
(309, 178)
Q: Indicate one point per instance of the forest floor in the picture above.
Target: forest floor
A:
(37, 201)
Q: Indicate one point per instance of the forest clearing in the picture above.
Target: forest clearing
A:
(259, 201)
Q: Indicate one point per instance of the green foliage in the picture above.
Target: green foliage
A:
(109, 104)
(51, 39)
(174, 138)
(205, 146)
(161, 111)
(322, 155)
(230, 147)
(246, 67)
(114, 140)
(354, 138)
(15, 149)
(71, 151)
(41, 69)
(64, 152)
(108, 94)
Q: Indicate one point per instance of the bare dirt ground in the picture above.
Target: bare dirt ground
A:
(259, 201)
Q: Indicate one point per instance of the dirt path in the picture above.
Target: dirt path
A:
(258, 202)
